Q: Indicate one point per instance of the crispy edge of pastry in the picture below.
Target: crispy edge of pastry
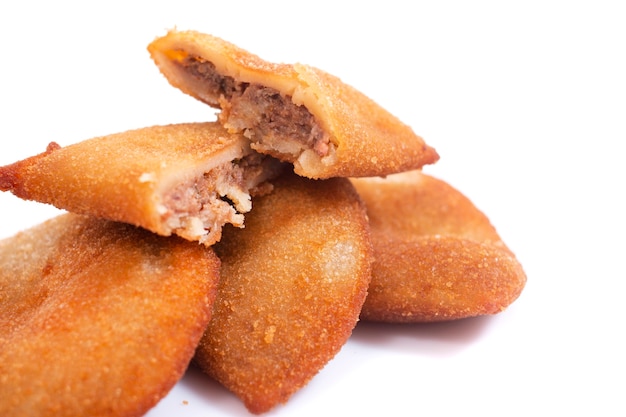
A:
(291, 290)
(97, 317)
(348, 134)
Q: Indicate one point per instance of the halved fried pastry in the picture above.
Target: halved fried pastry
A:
(297, 113)
(98, 318)
(291, 289)
(437, 256)
(185, 179)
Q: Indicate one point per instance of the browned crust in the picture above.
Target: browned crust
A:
(290, 292)
(437, 256)
(369, 141)
(98, 318)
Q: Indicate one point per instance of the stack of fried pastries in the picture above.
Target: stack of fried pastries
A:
(249, 246)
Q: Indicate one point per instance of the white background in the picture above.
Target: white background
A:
(526, 104)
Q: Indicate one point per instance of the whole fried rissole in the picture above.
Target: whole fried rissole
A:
(98, 318)
(437, 256)
(292, 285)
(297, 113)
(186, 179)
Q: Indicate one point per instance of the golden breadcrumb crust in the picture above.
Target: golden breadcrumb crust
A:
(437, 256)
(291, 290)
(98, 318)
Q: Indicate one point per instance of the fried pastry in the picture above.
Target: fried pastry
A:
(296, 113)
(437, 256)
(98, 318)
(292, 285)
(184, 179)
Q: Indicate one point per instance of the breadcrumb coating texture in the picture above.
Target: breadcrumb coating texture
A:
(98, 318)
(292, 285)
(437, 256)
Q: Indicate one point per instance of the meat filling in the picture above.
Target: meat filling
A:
(271, 120)
(197, 209)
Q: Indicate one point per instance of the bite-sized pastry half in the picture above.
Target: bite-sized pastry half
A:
(184, 179)
(291, 289)
(296, 113)
(98, 318)
(437, 256)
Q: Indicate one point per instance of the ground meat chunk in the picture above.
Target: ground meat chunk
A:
(217, 85)
(197, 209)
(267, 117)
